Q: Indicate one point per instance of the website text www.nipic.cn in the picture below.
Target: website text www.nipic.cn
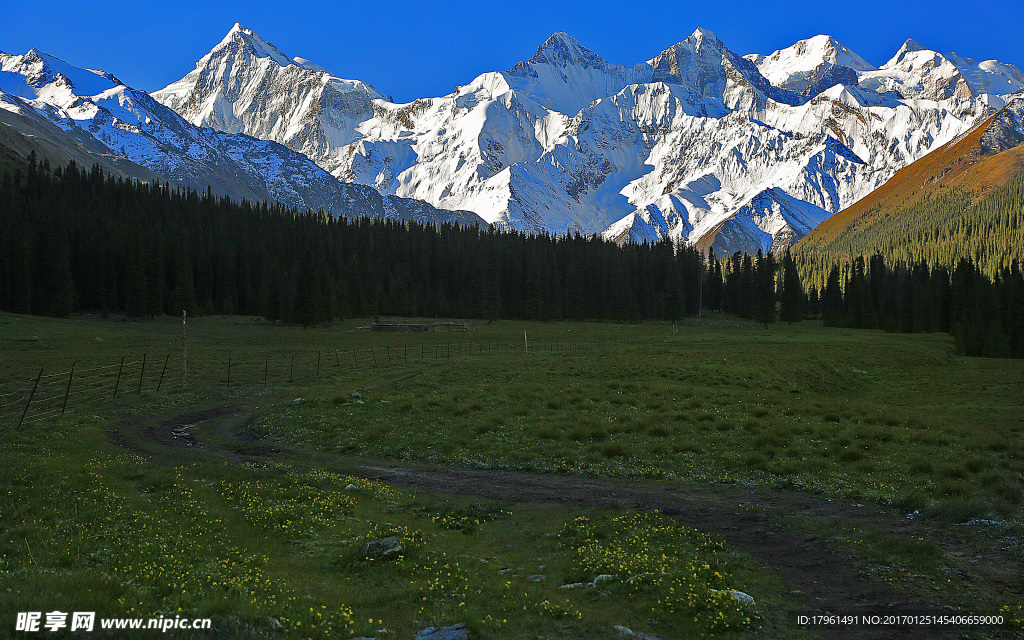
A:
(52, 621)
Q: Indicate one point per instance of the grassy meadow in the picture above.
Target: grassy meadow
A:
(270, 546)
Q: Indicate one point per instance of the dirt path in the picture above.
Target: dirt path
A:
(746, 519)
(827, 579)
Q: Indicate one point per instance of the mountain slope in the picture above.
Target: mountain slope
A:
(941, 189)
(23, 131)
(69, 111)
(697, 144)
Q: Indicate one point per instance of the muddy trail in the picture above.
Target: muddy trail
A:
(825, 576)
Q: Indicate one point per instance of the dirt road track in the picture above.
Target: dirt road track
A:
(744, 519)
(808, 565)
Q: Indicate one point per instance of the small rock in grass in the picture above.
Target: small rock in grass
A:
(636, 635)
(574, 585)
(739, 596)
(536, 578)
(350, 487)
(604, 577)
(454, 632)
(390, 547)
(355, 394)
(297, 400)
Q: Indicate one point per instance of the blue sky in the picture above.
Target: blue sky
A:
(421, 49)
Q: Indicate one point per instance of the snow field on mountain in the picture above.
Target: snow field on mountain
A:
(567, 142)
(686, 145)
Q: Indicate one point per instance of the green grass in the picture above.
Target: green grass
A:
(865, 415)
(272, 550)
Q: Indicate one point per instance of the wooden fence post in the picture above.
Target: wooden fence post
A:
(162, 371)
(118, 382)
(67, 392)
(184, 349)
(25, 412)
(142, 372)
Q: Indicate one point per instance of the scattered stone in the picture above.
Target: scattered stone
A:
(636, 635)
(788, 485)
(275, 623)
(510, 570)
(351, 487)
(35, 338)
(390, 547)
(182, 433)
(101, 340)
(297, 400)
(454, 632)
(355, 394)
(536, 578)
(739, 596)
(604, 577)
(574, 585)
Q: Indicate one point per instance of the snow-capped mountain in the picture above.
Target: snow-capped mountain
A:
(811, 66)
(96, 108)
(697, 144)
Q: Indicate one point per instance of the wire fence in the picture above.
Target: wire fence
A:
(53, 394)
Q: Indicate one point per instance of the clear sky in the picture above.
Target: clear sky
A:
(420, 49)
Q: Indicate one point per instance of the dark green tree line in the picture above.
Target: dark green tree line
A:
(75, 239)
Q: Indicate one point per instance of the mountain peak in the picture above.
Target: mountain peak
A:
(240, 38)
(561, 49)
(700, 43)
(911, 45)
(35, 55)
(700, 33)
(811, 66)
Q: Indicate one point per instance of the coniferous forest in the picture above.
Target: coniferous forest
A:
(79, 240)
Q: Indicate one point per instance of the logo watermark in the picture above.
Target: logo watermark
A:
(52, 621)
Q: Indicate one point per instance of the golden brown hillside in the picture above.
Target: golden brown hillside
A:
(965, 171)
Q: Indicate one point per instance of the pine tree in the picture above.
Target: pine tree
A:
(792, 291)
(832, 299)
